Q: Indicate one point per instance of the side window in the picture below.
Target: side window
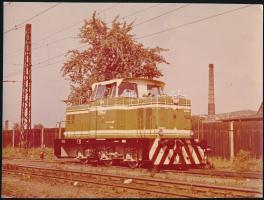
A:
(93, 93)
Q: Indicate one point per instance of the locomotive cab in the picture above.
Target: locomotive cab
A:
(128, 87)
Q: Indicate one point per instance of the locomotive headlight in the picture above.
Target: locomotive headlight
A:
(175, 100)
(160, 132)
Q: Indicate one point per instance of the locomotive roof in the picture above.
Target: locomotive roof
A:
(118, 81)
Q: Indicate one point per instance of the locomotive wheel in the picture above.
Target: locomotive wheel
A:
(79, 154)
(107, 163)
(132, 164)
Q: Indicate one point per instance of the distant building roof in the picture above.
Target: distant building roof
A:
(244, 118)
(235, 116)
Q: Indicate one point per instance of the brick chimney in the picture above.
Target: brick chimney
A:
(211, 103)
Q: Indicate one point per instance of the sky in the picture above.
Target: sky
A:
(228, 35)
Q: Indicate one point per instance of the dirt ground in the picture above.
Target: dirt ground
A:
(31, 187)
(24, 186)
(27, 187)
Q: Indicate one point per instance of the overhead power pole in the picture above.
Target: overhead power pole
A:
(25, 120)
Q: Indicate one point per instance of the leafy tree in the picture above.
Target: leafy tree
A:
(112, 52)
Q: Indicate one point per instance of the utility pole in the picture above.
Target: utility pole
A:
(25, 120)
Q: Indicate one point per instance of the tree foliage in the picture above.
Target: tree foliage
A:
(111, 52)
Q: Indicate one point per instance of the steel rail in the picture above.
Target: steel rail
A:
(5, 196)
(100, 183)
(199, 172)
(221, 173)
(165, 187)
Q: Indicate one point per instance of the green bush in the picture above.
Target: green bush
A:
(242, 161)
(220, 163)
(32, 153)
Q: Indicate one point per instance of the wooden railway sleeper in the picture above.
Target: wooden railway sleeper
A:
(88, 176)
(203, 190)
(115, 179)
(152, 184)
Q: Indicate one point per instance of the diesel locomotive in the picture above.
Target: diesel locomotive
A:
(131, 121)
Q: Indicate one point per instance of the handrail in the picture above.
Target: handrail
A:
(134, 102)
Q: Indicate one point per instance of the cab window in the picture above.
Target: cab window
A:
(127, 89)
(110, 90)
(154, 90)
(104, 91)
(93, 93)
(100, 92)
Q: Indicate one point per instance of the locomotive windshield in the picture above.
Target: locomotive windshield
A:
(100, 91)
(127, 89)
(154, 90)
(104, 91)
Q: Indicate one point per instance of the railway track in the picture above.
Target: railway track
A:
(5, 196)
(161, 187)
(221, 173)
(195, 172)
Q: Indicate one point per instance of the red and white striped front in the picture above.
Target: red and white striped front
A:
(184, 152)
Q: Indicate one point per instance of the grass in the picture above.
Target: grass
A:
(32, 153)
(242, 162)
(220, 163)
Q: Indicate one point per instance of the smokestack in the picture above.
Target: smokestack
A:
(211, 103)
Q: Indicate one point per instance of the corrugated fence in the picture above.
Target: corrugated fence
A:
(225, 139)
(38, 137)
